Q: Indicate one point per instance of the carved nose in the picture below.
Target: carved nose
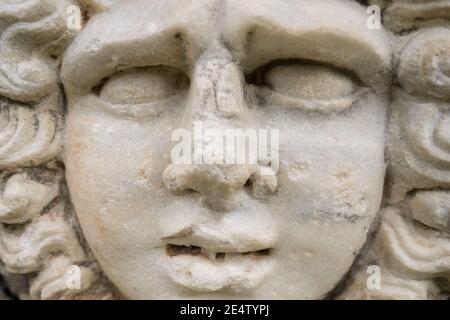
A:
(217, 85)
(216, 102)
(218, 184)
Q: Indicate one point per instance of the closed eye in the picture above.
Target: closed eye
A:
(143, 85)
(141, 92)
(306, 85)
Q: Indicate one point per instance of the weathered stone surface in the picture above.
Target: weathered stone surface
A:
(100, 199)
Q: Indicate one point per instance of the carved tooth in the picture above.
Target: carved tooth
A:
(220, 256)
(208, 254)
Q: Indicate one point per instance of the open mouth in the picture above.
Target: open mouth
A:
(219, 257)
(173, 250)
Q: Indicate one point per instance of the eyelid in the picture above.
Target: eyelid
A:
(147, 110)
(142, 85)
(335, 105)
(256, 76)
(352, 87)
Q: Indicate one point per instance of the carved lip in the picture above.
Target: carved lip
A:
(215, 257)
(201, 238)
(193, 269)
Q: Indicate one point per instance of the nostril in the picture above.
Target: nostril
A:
(218, 186)
(249, 187)
(174, 178)
(263, 185)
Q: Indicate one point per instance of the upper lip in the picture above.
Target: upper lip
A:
(216, 239)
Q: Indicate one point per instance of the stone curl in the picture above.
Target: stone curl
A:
(425, 64)
(38, 235)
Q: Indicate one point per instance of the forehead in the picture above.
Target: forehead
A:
(177, 32)
(209, 19)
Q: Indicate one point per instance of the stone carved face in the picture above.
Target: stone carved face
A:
(91, 200)
(142, 69)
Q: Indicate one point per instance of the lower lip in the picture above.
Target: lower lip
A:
(237, 273)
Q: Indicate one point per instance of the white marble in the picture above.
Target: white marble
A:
(93, 205)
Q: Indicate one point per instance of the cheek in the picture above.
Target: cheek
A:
(113, 170)
(336, 188)
(332, 167)
(330, 184)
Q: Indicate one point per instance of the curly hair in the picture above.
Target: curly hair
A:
(39, 235)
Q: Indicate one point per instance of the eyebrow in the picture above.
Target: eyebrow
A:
(259, 37)
(271, 30)
(99, 51)
(82, 69)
